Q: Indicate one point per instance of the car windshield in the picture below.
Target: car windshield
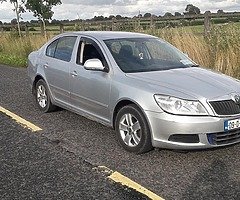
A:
(146, 54)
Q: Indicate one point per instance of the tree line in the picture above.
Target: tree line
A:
(42, 9)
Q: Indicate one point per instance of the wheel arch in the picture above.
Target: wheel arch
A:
(36, 79)
(124, 102)
(51, 104)
(147, 143)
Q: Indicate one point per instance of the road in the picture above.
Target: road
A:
(34, 167)
(209, 174)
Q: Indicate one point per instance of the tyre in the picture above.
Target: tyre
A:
(42, 96)
(132, 130)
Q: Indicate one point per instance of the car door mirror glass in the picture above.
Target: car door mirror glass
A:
(94, 65)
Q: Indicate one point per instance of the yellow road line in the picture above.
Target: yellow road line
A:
(119, 178)
(114, 176)
(23, 122)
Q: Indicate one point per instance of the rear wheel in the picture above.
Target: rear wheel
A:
(42, 96)
(132, 130)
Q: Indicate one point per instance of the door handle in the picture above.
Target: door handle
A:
(46, 66)
(74, 74)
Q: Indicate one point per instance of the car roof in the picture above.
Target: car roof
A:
(107, 35)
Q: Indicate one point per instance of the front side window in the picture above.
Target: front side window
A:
(90, 52)
(88, 49)
(146, 54)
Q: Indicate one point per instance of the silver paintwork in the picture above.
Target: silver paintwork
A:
(95, 94)
(94, 64)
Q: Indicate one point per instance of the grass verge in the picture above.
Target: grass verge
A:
(219, 50)
(13, 60)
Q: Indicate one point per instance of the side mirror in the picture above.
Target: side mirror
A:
(94, 65)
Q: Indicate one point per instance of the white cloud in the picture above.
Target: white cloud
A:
(71, 9)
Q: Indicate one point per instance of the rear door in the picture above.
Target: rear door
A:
(57, 67)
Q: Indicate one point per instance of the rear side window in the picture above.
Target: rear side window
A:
(62, 48)
(51, 48)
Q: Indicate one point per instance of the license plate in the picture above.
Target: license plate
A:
(231, 124)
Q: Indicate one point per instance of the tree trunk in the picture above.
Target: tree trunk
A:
(44, 28)
(16, 6)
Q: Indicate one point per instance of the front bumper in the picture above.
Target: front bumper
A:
(207, 128)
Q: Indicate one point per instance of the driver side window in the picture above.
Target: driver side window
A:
(88, 49)
(90, 52)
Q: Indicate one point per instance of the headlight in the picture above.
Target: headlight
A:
(180, 106)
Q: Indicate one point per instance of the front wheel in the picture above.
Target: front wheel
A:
(132, 130)
(43, 97)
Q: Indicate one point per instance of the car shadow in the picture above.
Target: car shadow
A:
(213, 182)
(202, 150)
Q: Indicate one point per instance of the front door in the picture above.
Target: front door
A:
(90, 89)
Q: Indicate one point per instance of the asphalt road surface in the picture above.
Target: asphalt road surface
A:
(34, 167)
(70, 146)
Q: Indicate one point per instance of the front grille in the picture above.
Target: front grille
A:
(229, 137)
(226, 107)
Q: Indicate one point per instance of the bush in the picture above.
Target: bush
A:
(32, 29)
(197, 23)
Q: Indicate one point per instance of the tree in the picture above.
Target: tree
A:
(98, 18)
(55, 21)
(14, 22)
(168, 14)
(220, 12)
(111, 17)
(118, 17)
(42, 9)
(33, 21)
(18, 8)
(177, 14)
(147, 15)
(192, 10)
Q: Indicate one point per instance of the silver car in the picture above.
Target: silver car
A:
(152, 94)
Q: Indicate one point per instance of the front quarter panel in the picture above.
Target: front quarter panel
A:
(124, 88)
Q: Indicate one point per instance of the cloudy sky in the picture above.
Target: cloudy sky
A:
(72, 9)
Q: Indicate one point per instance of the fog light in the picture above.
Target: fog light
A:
(184, 138)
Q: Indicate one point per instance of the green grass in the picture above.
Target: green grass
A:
(13, 60)
(15, 50)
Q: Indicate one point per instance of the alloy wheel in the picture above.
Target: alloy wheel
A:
(130, 130)
(42, 96)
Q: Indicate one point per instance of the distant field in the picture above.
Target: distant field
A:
(219, 51)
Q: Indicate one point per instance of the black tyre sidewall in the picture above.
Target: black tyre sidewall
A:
(145, 144)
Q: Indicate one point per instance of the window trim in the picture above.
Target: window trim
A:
(54, 48)
(79, 59)
(58, 39)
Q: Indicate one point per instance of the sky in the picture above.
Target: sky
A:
(86, 9)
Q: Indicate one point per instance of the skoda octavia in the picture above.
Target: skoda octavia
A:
(152, 94)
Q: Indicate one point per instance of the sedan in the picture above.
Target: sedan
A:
(151, 93)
